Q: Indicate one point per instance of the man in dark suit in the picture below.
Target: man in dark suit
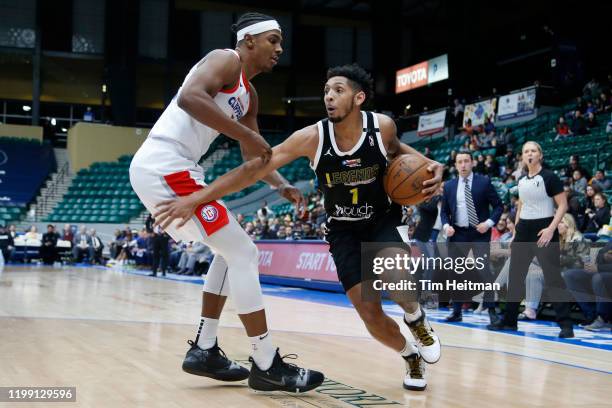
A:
(467, 220)
(48, 248)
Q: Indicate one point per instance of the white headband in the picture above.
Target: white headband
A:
(258, 28)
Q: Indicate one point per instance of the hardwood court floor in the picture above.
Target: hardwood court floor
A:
(120, 339)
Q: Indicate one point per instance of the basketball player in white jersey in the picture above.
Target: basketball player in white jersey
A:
(349, 151)
(217, 97)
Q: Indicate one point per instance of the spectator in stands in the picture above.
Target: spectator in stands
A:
(308, 232)
(571, 242)
(240, 219)
(499, 230)
(281, 234)
(408, 215)
(32, 233)
(128, 245)
(601, 181)
(590, 108)
(67, 234)
(176, 251)
(458, 113)
(574, 164)
(264, 212)
(489, 127)
(579, 182)
(31, 242)
(95, 250)
(590, 287)
(149, 223)
(590, 194)
(591, 122)
(468, 129)
(289, 235)
(491, 166)
(48, 248)
(507, 139)
(80, 245)
(580, 105)
(7, 244)
(485, 140)
(591, 88)
(579, 125)
(603, 103)
(141, 251)
(194, 253)
(13, 231)
(480, 167)
(115, 246)
(600, 216)
(160, 245)
(427, 153)
(563, 131)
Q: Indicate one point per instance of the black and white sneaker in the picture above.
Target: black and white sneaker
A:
(415, 373)
(426, 339)
(212, 363)
(283, 376)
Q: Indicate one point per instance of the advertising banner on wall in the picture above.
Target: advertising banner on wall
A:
(431, 123)
(421, 74)
(479, 111)
(516, 104)
(300, 260)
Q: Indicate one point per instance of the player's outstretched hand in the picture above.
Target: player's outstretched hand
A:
(294, 195)
(433, 184)
(257, 146)
(180, 208)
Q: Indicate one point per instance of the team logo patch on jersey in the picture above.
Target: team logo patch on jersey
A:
(351, 163)
(209, 213)
(237, 107)
(371, 140)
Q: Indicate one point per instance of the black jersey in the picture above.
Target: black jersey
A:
(352, 181)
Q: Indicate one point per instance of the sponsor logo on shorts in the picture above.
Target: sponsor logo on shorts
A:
(209, 213)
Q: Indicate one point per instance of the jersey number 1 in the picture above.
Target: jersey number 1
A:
(355, 195)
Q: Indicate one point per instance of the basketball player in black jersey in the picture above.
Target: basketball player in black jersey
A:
(349, 152)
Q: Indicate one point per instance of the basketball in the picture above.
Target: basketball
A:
(404, 179)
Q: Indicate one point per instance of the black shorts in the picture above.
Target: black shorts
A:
(345, 238)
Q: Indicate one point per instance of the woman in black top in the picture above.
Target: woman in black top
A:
(536, 235)
(600, 216)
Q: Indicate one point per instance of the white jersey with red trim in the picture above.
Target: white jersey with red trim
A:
(191, 137)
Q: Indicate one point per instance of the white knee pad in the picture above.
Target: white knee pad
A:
(241, 257)
(216, 281)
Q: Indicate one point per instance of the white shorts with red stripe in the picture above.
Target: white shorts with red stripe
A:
(157, 174)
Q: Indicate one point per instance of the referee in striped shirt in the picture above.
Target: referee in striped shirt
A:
(536, 235)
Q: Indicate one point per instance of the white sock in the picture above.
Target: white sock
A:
(409, 349)
(207, 333)
(263, 350)
(411, 317)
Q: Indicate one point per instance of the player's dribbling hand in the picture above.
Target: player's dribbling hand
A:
(256, 146)
(431, 186)
(181, 208)
(294, 195)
